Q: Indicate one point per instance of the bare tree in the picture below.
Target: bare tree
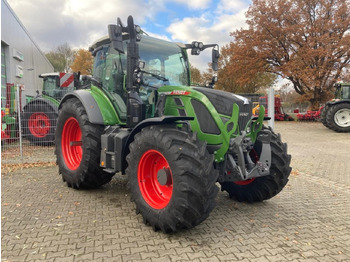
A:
(61, 57)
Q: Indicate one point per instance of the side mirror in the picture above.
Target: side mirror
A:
(215, 58)
(76, 79)
(115, 33)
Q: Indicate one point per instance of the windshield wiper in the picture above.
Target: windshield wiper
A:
(156, 76)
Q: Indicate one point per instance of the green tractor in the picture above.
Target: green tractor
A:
(336, 113)
(142, 118)
(40, 114)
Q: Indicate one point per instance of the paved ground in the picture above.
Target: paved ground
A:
(309, 220)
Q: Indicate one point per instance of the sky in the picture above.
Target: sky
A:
(81, 22)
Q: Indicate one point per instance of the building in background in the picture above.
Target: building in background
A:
(22, 61)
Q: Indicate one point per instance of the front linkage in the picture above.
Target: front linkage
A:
(237, 164)
(244, 168)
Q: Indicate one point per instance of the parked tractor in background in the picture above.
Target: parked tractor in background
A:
(336, 113)
(280, 115)
(40, 114)
(142, 118)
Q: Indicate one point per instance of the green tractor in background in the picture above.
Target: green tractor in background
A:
(336, 113)
(142, 118)
(40, 113)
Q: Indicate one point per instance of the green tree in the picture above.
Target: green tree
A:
(57, 61)
(61, 57)
(305, 41)
(196, 77)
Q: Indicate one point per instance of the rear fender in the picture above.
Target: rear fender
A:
(53, 105)
(98, 107)
(332, 103)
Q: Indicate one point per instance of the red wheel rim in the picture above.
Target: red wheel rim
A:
(71, 143)
(245, 182)
(39, 124)
(254, 156)
(153, 192)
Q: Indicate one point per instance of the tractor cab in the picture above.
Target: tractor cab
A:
(50, 84)
(342, 91)
(56, 85)
(131, 67)
(164, 64)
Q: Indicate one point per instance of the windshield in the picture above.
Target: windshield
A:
(346, 92)
(165, 63)
(50, 85)
(51, 88)
(342, 91)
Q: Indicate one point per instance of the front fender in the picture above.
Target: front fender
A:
(157, 121)
(149, 122)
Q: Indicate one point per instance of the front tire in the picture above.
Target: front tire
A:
(78, 147)
(338, 117)
(171, 178)
(266, 187)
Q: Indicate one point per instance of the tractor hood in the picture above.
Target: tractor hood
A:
(224, 101)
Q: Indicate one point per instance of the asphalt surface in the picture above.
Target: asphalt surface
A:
(44, 220)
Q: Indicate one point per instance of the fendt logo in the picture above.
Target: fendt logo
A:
(180, 92)
(66, 80)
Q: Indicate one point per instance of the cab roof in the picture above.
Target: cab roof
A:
(105, 40)
(49, 74)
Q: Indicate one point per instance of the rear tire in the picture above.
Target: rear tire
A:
(78, 147)
(323, 116)
(39, 124)
(171, 178)
(263, 188)
(338, 117)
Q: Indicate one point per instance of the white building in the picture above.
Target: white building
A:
(22, 61)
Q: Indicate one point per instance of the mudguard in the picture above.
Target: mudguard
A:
(92, 109)
(335, 102)
(42, 101)
(156, 121)
(148, 122)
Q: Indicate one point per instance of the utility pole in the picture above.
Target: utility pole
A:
(271, 107)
